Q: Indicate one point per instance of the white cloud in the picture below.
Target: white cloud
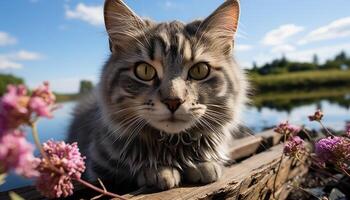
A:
(336, 29)
(7, 39)
(281, 34)
(323, 53)
(8, 64)
(283, 48)
(24, 55)
(90, 14)
(243, 47)
(11, 60)
(301, 55)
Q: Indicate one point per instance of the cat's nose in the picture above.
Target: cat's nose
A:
(173, 104)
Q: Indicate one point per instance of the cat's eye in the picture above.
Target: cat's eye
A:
(199, 71)
(145, 72)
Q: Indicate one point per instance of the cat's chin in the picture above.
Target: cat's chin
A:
(172, 127)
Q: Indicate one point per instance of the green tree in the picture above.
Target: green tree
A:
(6, 79)
(315, 60)
(85, 86)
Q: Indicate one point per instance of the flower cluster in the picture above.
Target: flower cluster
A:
(18, 108)
(332, 149)
(347, 128)
(335, 150)
(16, 153)
(317, 116)
(60, 164)
(294, 146)
(285, 128)
(65, 158)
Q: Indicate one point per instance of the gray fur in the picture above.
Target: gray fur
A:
(123, 126)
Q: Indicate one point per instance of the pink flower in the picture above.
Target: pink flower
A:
(293, 146)
(40, 107)
(67, 159)
(17, 154)
(317, 116)
(13, 99)
(286, 128)
(17, 108)
(334, 150)
(44, 92)
(42, 101)
(14, 108)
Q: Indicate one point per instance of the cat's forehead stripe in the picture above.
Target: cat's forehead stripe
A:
(170, 40)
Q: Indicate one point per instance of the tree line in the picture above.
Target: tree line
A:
(6, 79)
(282, 65)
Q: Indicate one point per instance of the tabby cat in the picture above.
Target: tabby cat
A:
(168, 100)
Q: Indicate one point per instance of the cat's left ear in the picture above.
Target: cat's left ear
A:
(223, 22)
(122, 24)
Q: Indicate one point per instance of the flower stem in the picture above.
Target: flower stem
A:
(345, 172)
(327, 130)
(307, 134)
(104, 192)
(37, 140)
(40, 147)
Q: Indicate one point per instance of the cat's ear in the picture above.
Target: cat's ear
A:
(223, 22)
(122, 24)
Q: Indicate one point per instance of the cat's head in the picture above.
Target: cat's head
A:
(172, 76)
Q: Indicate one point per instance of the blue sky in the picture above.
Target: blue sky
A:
(64, 41)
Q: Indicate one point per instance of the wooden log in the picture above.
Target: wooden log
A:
(250, 179)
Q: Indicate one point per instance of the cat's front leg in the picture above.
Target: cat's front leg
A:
(162, 178)
(204, 172)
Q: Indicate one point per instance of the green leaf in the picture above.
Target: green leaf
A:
(14, 196)
(2, 178)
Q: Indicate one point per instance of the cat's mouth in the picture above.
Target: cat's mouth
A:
(172, 124)
(173, 119)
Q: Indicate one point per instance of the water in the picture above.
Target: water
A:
(255, 118)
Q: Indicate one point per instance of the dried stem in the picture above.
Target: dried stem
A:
(102, 191)
(345, 172)
(325, 128)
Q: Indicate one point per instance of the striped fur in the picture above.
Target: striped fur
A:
(123, 127)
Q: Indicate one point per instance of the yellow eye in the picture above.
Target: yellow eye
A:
(199, 71)
(145, 72)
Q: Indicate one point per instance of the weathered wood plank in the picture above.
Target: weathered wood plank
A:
(250, 179)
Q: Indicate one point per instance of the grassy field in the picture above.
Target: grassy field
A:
(301, 80)
(287, 100)
(66, 97)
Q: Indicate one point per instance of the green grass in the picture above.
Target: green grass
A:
(300, 80)
(66, 97)
(287, 100)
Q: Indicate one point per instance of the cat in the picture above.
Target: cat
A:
(168, 100)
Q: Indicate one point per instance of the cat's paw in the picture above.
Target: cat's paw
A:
(164, 178)
(206, 172)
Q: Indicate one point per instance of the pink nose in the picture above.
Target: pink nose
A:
(173, 104)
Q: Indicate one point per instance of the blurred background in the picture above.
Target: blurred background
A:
(296, 53)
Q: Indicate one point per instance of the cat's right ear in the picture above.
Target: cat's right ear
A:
(122, 24)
